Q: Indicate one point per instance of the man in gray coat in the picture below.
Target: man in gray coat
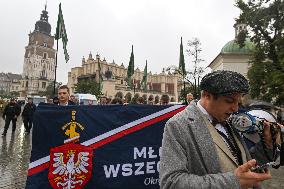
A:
(201, 150)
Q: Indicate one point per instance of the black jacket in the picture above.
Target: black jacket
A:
(71, 102)
(185, 103)
(11, 110)
(29, 110)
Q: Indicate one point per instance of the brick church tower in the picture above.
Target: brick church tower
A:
(39, 59)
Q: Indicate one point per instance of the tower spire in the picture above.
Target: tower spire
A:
(239, 27)
(42, 25)
(45, 5)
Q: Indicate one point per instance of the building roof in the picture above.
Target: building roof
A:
(42, 25)
(232, 47)
(12, 76)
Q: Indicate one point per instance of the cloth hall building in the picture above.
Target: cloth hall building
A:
(114, 79)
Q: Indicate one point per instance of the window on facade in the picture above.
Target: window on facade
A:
(43, 85)
(44, 55)
(44, 44)
(121, 81)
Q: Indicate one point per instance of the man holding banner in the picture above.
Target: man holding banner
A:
(201, 150)
(63, 96)
(104, 147)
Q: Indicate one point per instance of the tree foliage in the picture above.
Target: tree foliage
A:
(194, 51)
(130, 69)
(88, 86)
(192, 76)
(265, 21)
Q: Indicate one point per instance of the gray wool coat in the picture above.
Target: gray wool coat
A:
(190, 156)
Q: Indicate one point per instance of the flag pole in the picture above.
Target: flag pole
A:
(184, 89)
(54, 86)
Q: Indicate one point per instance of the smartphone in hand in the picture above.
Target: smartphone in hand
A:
(262, 168)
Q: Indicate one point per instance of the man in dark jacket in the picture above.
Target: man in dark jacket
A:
(28, 114)
(63, 95)
(10, 113)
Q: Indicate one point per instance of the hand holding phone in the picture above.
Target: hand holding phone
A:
(262, 168)
(249, 179)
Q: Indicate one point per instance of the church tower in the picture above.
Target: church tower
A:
(39, 59)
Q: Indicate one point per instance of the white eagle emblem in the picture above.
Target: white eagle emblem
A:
(70, 168)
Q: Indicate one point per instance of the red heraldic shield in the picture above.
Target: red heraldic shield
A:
(70, 166)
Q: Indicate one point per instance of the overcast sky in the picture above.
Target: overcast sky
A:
(110, 27)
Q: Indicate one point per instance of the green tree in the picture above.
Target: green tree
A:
(87, 86)
(265, 21)
(130, 69)
(182, 67)
(144, 79)
(190, 77)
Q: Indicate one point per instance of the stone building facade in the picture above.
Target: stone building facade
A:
(39, 58)
(114, 79)
(232, 57)
(9, 82)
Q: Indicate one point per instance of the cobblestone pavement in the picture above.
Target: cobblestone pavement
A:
(14, 156)
(15, 153)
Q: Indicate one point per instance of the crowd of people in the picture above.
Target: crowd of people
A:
(12, 110)
(64, 98)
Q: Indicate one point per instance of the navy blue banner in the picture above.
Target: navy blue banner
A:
(125, 141)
